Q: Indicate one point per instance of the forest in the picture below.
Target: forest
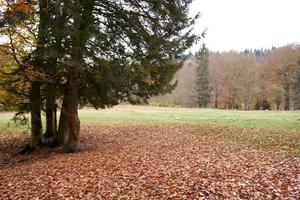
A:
(259, 79)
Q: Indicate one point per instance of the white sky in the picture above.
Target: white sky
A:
(242, 24)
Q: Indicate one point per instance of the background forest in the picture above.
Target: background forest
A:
(260, 79)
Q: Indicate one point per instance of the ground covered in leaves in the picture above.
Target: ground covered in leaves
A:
(156, 162)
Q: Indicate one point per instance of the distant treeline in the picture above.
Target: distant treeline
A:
(260, 79)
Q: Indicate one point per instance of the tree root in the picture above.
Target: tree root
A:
(26, 150)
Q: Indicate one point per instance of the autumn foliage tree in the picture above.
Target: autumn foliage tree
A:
(261, 79)
(256, 79)
(296, 87)
(284, 62)
(18, 39)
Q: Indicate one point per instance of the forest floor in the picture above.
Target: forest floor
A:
(157, 161)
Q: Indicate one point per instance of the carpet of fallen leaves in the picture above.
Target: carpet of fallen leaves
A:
(148, 162)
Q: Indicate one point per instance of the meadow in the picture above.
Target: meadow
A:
(144, 152)
(274, 120)
(146, 114)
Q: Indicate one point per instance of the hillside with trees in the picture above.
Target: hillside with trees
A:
(250, 80)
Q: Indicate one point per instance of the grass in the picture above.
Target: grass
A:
(244, 119)
(274, 120)
(266, 130)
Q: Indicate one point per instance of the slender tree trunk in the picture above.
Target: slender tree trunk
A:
(35, 111)
(50, 111)
(217, 99)
(287, 97)
(277, 106)
(216, 103)
(247, 105)
(55, 119)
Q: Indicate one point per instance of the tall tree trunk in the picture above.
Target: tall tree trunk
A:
(72, 143)
(50, 111)
(63, 131)
(35, 92)
(83, 18)
(35, 111)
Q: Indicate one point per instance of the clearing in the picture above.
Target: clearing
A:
(138, 152)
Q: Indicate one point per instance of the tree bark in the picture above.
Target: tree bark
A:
(50, 111)
(72, 143)
(63, 131)
(35, 111)
(55, 119)
(35, 91)
(82, 20)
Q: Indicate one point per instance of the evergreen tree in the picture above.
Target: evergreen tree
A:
(126, 51)
(202, 88)
(100, 53)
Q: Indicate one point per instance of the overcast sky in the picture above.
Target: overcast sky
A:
(242, 24)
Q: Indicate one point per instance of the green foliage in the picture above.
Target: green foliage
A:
(202, 78)
(135, 51)
(127, 51)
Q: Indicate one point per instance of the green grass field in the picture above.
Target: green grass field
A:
(275, 120)
(256, 119)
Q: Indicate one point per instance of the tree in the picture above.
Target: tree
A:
(100, 53)
(218, 77)
(296, 87)
(202, 88)
(283, 62)
(277, 94)
(21, 76)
